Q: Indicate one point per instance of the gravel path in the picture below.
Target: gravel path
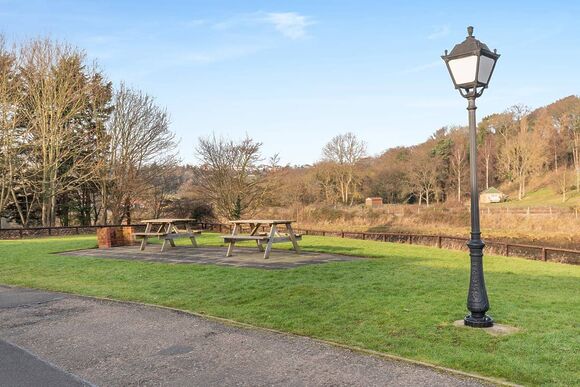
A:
(119, 344)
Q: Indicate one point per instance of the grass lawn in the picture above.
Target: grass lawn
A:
(543, 197)
(402, 301)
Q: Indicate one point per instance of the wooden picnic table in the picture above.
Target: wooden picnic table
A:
(269, 238)
(167, 229)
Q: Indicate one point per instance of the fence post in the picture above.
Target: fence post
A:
(544, 254)
(77, 230)
(439, 241)
(20, 233)
(324, 233)
(507, 250)
(409, 239)
(342, 234)
(364, 236)
(306, 232)
(384, 237)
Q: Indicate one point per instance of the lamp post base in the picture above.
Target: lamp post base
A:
(475, 321)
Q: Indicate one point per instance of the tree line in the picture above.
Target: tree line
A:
(73, 148)
(515, 146)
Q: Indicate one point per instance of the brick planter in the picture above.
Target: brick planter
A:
(114, 236)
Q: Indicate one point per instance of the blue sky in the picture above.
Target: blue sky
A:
(292, 74)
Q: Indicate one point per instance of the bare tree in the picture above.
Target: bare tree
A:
(488, 152)
(326, 179)
(11, 138)
(524, 154)
(345, 151)
(561, 181)
(544, 125)
(571, 122)
(458, 157)
(423, 172)
(55, 86)
(138, 135)
(163, 182)
(229, 177)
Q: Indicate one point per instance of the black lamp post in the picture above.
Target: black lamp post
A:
(470, 65)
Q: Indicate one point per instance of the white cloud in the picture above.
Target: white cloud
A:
(423, 67)
(440, 32)
(290, 24)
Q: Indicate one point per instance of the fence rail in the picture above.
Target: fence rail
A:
(543, 253)
(36, 232)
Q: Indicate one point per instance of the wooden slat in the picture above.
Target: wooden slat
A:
(167, 220)
(263, 221)
(149, 234)
(228, 238)
(182, 235)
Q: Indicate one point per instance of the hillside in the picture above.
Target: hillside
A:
(543, 197)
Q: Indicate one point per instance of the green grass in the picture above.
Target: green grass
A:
(543, 197)
(402, 301)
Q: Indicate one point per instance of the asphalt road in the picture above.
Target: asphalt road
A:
(55, 337)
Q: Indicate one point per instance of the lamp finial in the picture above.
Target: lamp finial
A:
(470, 31)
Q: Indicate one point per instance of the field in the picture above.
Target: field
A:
(402, 300)
(541, 218)
(545, 197)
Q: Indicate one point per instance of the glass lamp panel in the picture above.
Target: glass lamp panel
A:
(463, 69)
(485, 67)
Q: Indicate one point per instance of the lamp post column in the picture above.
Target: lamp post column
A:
(477, 301)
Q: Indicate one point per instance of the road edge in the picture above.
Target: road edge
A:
(240, 324)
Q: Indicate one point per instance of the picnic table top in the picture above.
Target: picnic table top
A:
(262, 221)
(167, 220)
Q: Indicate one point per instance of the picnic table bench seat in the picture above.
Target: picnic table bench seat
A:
(262, 238)
(148, 234)
(228, 238)
(168, 230)
(297, 235)
(168, 235)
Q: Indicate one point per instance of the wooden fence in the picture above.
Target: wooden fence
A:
(543, 253)
(36, 232)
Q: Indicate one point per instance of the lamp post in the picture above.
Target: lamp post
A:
(471, 65)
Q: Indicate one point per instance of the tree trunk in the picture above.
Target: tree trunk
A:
(486, 172)
(128, 210)
(104, 204)
(53, 210)
(578, 178)
(564, 187)
(459, 186)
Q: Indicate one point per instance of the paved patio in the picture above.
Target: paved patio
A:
(242, 257)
